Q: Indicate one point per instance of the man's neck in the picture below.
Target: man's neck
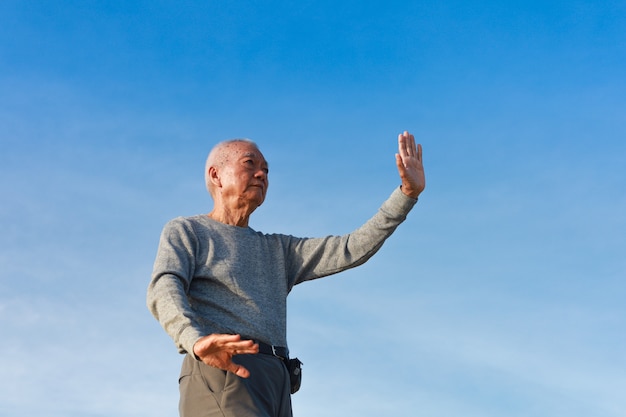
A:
(230, 217)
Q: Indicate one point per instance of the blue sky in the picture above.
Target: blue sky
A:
(502, 294)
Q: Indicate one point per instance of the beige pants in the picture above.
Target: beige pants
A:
(210, 392)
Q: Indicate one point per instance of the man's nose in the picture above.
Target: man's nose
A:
(261, 174)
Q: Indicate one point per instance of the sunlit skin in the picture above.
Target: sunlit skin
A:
(237, 178)
(238, 183)
(410, 167)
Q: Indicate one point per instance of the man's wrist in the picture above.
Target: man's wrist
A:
(411, 194)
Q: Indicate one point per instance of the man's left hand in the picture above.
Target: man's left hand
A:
(410, 168)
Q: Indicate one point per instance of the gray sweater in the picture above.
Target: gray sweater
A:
(210, 277)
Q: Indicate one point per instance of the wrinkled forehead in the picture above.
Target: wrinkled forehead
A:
(245, 150)
(233, 150)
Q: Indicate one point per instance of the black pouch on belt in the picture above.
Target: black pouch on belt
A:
(294, 366)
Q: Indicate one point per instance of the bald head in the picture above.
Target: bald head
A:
(220, 155)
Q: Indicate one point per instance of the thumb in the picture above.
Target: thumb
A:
(399, 163)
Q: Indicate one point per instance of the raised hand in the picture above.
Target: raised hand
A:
(410, 168)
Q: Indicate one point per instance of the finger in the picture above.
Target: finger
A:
(410, 144)
(239, 370)
(406, 144)
(419, 152)
(400, 164)
(244, 349)
(401, 144)
(225, 339)
(235, 342)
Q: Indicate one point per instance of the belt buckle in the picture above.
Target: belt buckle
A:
(275, 353)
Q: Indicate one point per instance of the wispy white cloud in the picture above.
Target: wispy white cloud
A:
(90, 358)
(434, 347)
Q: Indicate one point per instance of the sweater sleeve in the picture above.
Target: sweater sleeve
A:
(318, 257)
(172, 273)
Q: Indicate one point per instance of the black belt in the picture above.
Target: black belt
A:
(278, 351)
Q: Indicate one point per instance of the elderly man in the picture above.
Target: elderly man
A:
(219, 288)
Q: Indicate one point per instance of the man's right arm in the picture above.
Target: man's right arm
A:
(167, 301)
(171, 277)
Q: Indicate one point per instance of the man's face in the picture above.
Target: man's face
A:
(244, 175)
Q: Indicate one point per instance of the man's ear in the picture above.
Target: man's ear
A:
(214, 177)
